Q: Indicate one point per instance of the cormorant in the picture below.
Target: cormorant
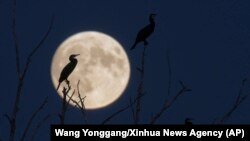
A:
(144, 33)
(188, 121)
(67, 70)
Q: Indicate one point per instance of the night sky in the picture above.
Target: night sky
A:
(208, 43)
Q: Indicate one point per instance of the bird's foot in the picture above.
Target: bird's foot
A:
(67, 81)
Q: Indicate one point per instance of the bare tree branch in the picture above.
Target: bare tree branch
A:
(168, 104)
(115, 114)
(65, 103)
(169, 74)
(28, 61)
(14, 36)
(132, 108)
(32, 118)
(140, 93)
(169, 83)
(21, 75)
(38, 126)
(140, 89)
(81, 106)
(70, 98)
(12, 119)
(239, 100)
(8, 118)
(131, 104)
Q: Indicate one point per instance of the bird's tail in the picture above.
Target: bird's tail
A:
(133, 46)
(58, 86)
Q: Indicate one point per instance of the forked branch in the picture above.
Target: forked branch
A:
(80, 104)
(169, 103)
(65, 103)
(38, 126)
(239, 100)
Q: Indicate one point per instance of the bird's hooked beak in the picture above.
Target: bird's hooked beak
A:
(76, 55)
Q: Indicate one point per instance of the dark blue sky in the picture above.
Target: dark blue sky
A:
(208, 43)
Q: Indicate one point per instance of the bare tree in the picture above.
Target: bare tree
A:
(80, 104)
(140, 89)
(65, 102)
(67, 98)
(21, 74)
(140, 93)
(168, 103)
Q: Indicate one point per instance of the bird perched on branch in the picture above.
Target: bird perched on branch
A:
(67, 70)
(144, 33)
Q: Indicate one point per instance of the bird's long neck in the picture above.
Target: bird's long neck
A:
(151, 20)
(73, 60)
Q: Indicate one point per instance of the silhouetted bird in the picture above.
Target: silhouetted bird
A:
(188, 121)
(67, 70)
(144, 33)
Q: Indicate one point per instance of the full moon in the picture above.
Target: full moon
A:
(103, 69)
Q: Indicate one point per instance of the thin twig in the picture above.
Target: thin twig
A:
(12, 119)
(8, 118)
(65, 103)
(32, 118)
(239, 100)
(14, 36)
(168, 104)
(140, 89)
(21, 75)
(169, 74)
(115, 114)
(81, 106)
(132, 108)
(28, 61)
(38, 126)
(70, 98)
(131, 104)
